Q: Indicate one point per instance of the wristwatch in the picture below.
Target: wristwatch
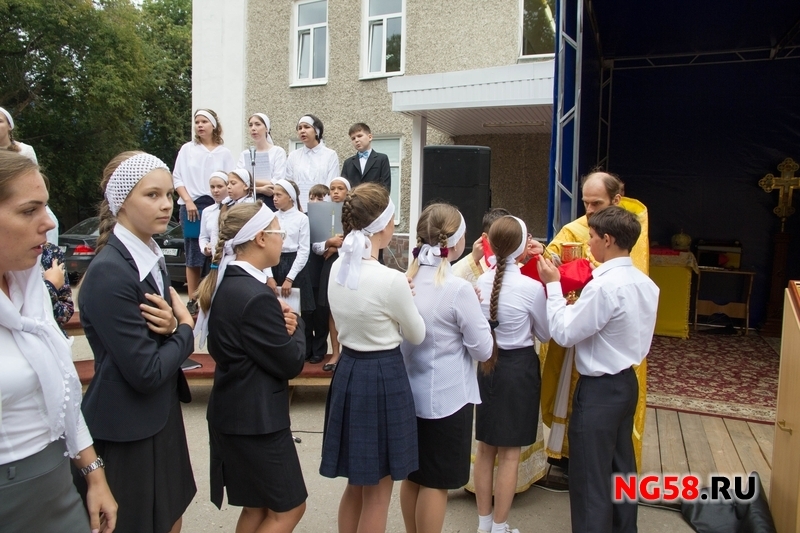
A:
(91, 467)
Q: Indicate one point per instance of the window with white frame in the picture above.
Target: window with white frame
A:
(383, 37)
(391, 146)
(311, 42)
(538, 27)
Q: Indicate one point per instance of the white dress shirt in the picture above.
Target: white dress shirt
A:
(194, 166)
(275, 170)
(309, 166)
(209, 228)
(298, 238)
(260, 275)
(28, 151)
(24, 429)
(363, 160)
(372, 317)
(441, 369)
(521, 308)
(148, 257)
(611, 325)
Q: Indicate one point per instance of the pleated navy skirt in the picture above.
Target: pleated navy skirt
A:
(370, 421)
(508, 414)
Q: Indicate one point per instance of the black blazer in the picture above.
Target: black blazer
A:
(138, 376)
(255, 357)
(376, 170)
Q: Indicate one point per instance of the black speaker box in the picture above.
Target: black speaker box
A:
(459, 175)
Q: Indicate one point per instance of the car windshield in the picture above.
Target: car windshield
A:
(90, 226)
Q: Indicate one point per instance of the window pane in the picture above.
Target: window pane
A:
(304, 49)
(538, 27)
(320, 47)
(394, 38)
(384, 7)
(312, 13)
(376, 47)
(390, 147)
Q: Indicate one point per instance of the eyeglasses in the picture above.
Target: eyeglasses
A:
(281, 232)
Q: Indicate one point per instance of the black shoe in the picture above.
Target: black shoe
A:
(314, 359)
(329, 367)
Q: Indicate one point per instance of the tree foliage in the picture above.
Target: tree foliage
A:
(86, 80)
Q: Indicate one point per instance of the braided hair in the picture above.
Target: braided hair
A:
(437, 223)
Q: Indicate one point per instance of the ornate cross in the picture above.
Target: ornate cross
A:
(785, 185)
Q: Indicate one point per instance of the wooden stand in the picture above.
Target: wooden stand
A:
(772, 326)
(735, 309)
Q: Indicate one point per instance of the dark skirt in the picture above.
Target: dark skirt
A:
(370, 422)
(324, 280)
(445, 445)
(151, 479)
(508, 414)
(37, 494)
(302, 281)
(260, 471)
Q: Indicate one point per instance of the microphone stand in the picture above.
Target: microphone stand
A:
(253, 171)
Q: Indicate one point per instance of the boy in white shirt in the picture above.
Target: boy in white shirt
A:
(611, 326)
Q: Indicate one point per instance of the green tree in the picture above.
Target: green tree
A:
(166, 29)
(78, 76)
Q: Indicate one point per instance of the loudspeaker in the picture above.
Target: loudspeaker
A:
(459, 175)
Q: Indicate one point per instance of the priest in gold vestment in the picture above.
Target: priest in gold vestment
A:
(559, 375)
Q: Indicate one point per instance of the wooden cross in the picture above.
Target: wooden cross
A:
(785, 185)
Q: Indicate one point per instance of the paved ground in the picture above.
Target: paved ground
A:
(534, 510)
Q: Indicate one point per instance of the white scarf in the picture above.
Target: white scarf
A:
(511, 259)
(432, 255)
(47, 351)
(252, 227)
(357, 239)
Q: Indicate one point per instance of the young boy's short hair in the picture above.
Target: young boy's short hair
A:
(359, 126)
(491, 215)
(318, 190)
(619, 223)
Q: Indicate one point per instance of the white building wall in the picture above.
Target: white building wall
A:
(219, 66)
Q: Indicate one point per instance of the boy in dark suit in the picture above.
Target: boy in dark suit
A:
(367, 164)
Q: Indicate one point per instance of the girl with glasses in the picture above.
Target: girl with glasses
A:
(258, 346)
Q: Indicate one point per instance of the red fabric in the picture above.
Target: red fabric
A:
(574, 275)
(663, 250)
(487, 250)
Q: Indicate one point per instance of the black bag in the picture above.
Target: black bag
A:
(729, 516)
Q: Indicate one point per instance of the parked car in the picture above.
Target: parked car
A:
(79, 242)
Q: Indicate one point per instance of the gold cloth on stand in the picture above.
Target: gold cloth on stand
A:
(551, 355)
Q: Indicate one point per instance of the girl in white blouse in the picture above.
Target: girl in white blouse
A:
(41, 425)
(270, 159)
(209, 219)
(441, 369)
(313, 162)
(291, 272)
(370, 423)
(510, 381)
(196, 160)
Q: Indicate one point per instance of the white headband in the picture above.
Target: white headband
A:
(249, 231)
(127, 175)
(523, 244)
(208, 115)
(220, 175)
(265, 119)
(244, 175)
(286, 186)
(305, 119)
(8, 116)
(431, 255)
(343, 180)
(357, 246)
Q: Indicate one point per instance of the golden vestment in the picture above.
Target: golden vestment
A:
(552, 355)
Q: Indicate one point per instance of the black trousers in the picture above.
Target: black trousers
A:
(317, 330)
(601, 443)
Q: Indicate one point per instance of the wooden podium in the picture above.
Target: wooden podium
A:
(785, 484)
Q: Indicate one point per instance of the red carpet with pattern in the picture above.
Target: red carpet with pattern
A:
(724, 375)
